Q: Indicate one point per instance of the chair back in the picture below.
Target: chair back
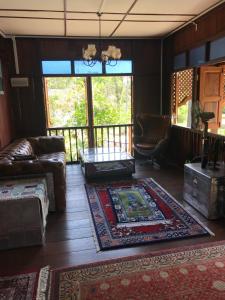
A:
(154, 127)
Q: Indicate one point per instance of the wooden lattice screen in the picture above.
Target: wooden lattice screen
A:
(173, 93)
(182, 84)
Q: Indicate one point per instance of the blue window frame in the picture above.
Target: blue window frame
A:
(65, 67)
(217, 48)
(56, 67)
(121, 67)
(180, 61)
(197, 56)
(81, 68)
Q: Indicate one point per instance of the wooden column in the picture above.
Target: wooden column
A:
(90, 113)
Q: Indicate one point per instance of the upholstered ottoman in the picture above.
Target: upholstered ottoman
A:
(23, 211)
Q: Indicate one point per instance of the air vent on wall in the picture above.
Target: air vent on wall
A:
(19, 81)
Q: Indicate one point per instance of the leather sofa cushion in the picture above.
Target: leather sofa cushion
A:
(56, 157)
(47, 144)
(18, 147)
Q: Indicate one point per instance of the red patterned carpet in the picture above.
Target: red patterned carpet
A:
(25, 286)
(191, 273)
(133, 212)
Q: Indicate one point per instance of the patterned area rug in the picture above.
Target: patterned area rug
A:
(136, 212)
(26, 286)
(192, 273)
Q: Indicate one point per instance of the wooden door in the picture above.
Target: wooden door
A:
(211, 92)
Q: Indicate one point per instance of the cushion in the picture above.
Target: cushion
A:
(47, 144)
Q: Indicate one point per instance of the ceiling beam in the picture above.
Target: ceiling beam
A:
(2, 33)
(100, 10)
(157, 37)
(64, 17)
(31, 18)
(94, 12)
(87, 19)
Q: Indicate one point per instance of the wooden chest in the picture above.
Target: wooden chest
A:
(204, 189)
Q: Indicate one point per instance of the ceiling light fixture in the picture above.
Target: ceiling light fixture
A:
(109, 56)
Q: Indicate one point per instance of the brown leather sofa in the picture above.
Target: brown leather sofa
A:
(37, 155)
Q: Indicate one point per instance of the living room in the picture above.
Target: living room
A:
(162, 43)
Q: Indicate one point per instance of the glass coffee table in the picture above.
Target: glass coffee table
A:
(98, 162)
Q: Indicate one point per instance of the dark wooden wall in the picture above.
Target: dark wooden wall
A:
(187, 143)
(29, 102)
(210, 26)
(6, 121)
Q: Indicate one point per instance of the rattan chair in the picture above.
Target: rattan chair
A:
(154, 138)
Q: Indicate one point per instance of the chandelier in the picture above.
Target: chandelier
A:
(109, 56)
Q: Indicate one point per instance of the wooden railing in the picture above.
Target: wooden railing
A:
(78, 138)
(186, 144)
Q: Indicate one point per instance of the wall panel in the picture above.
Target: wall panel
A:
(30, 115)
(6, 126)
(210, 26)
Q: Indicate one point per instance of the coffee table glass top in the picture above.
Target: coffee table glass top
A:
(95, 155)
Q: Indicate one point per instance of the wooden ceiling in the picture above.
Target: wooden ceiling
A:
(78, 18)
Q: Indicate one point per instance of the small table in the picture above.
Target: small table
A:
(98, 162)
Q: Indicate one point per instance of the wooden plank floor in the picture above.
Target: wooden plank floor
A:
(69, 236)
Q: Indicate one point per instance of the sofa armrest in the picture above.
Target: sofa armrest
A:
(21, 167)
(47, 144)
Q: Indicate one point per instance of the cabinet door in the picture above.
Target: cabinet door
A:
(211, 92)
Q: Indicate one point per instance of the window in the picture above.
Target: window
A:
(180, 61)
(221, 130)
(66, 101)
(119, 67)
(64, 67)
(182, 83)
(184, 114)
(122, 67)
(56, 67)
(217, 48)
(111, 100)
(81, 68)
(197, 56)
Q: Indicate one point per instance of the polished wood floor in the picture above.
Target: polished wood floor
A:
(69, 236)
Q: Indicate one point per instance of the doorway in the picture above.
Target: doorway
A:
(90, 111)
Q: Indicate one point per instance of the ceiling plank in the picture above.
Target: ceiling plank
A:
(119, 18)
(133, 4)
